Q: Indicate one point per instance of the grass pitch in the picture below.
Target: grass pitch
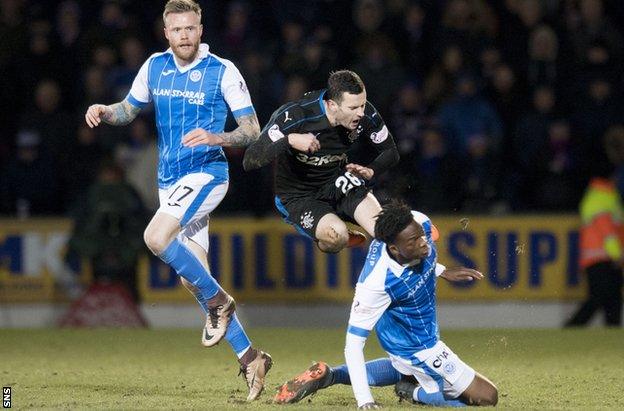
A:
(168, 369)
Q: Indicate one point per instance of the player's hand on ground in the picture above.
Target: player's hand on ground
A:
(360, 171)
(461, 274)
(308, 143)
(199, 137)
(369, 406)
(95, 113)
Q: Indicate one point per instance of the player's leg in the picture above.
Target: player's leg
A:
(380, 373)
(481, 391)
(332, 233)
(161, 238)
(366, 213)
(316, 220)
(361, 207)
(442, 379)
(182, 206)
(254, 363)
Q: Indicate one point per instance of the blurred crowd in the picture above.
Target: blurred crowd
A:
(496, 105)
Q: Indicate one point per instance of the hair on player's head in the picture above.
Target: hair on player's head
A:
(181, 6)
(343, 81)
(393, 218)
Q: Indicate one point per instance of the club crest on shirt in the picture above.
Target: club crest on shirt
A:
(307, 220)
(353, 135)
(449, 368)
(195, 76)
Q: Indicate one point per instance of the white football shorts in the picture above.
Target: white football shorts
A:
(437, 369)
(191, 200)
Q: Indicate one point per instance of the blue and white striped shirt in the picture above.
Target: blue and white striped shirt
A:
(185, 98)
(398, 301)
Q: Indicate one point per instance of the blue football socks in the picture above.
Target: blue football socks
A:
(236, 337)
(380, 373)
(436, 399)
(188, 266)
(184, 262)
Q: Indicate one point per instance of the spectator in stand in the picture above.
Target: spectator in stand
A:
(528, 137)
(440, 83)
(433, 181)
(237, 35)
(95, 87)
(490, 58)
(86, 155)
(480, 176)
(71, 47)
(542, 64)
(48, 118)
(295, 88)
(595, 25)
(111, 26)
(317, 64)
(290, 57)
(380, 72)
(507, 96)
(555, 178)
(412, 38)
(592, 116)
(39, 61)
(468, 24)
(29, 185)
(519, 19)
(132, 55)
(263, 83)
(468, 114)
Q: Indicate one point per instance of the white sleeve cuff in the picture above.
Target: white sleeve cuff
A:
(354, 356)
(439, 269)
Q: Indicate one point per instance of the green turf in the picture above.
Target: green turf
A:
(168, 369)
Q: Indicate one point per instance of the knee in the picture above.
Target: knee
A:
(155, 242)
(334, 239)
(490, 398)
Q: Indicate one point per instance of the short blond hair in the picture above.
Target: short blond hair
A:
(181, 6)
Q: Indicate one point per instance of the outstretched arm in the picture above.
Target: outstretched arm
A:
(460, 274)
(118, 114)
(354, 356)
(368, 306)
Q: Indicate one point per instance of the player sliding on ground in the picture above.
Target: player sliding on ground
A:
(316, 186)
(395, 294)
(192, 89)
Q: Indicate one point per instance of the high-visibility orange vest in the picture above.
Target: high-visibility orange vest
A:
(601, 234)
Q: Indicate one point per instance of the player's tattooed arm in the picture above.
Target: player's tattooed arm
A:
(246, 133)
(118, 114)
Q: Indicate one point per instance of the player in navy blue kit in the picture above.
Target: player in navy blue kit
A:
(192, 89)
(317, 187)
(395, 295)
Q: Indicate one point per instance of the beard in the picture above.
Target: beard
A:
(186, 53)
